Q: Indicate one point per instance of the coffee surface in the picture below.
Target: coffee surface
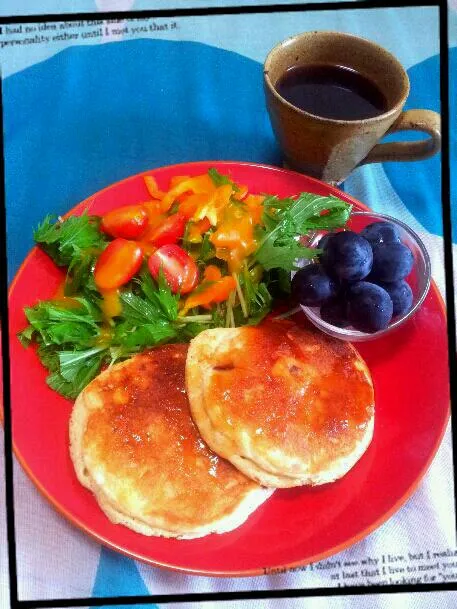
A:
(332, 91)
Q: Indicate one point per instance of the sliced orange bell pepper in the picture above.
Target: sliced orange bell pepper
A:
(195, 230)
(191, 202)
(210, 292)
(255, 207)
(215, 204)
(241, 192)
(212, 273)
(153, 188)
(155, 216)
(197, 185)
(175, 180)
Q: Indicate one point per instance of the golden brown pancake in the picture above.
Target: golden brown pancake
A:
(286, 405)
(134, 444)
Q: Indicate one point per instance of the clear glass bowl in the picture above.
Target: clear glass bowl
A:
(419, 278)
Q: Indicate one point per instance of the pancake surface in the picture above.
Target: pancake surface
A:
(134, 444)
(286, 405)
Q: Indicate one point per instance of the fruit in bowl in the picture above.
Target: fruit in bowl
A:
(365, 279)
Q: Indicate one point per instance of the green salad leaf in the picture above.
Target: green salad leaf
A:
(68, 337)
(286, 220)
(76, 370)
(147, 316)
(220, 180)
(54, 323)
(66, 240)
(75, 243)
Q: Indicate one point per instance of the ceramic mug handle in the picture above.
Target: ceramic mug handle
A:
(426, 121)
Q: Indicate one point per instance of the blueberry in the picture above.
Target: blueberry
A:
(323, 241)
(401, 295)
(311, 286)
(334, 312)
(348, 256)
(391, 262)
(370, 307)
(381, 232)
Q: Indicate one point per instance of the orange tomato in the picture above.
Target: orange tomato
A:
(169, 231)
(117, 264)
(129, 222)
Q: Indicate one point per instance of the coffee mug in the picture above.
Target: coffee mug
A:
(329, 148)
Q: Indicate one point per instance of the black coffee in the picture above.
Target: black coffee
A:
(332, 91)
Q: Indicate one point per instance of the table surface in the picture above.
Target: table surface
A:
(75, 142)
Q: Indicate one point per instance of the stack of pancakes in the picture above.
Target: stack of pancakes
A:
(183, 441)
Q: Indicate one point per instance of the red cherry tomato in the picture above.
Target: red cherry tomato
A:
(117, 264)
(128, 222)
(179, 268)
(169, 231)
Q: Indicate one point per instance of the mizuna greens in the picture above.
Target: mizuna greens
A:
(243, 247)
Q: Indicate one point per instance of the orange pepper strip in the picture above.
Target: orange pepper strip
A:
(254, 204)
(197, 185)
(212, 273)
(153, 209)
(241, 192)
(215, 205)
(191, 202)
(175, 180)
(196, 229)
(203, 225)
(156, 218)
(153, 188)
(209, 292)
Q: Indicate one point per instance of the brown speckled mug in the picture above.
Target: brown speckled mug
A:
(330, 149)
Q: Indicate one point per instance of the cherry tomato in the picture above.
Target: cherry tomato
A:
(169, 231)
(128, 222)
(117, 264)
(180, 269)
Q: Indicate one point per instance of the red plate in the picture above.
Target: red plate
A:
(295, 526)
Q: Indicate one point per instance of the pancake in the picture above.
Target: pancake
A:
(287, 405)
(134, 445)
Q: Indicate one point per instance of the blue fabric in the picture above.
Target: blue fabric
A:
(416, 182)
(104, 112)
(118, 576)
